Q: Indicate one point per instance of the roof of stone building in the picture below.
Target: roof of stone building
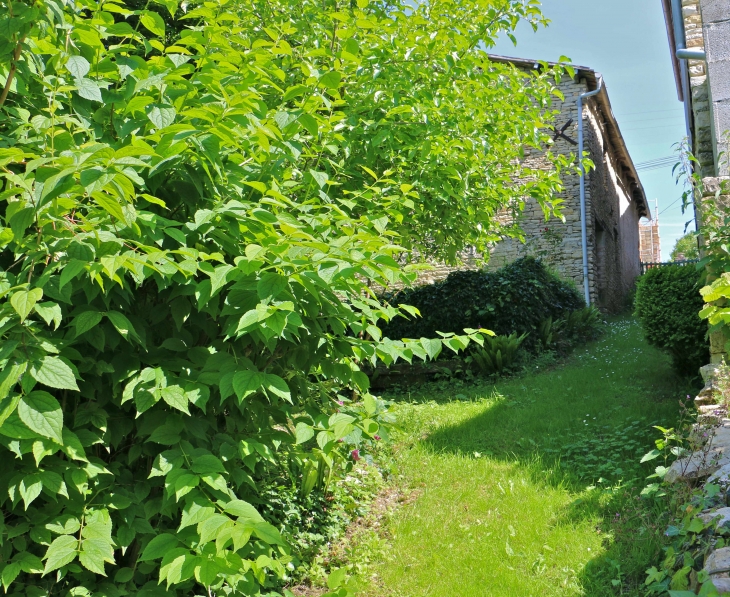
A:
(616, 139)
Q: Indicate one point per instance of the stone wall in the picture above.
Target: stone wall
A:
(716, 34)
(703, 146)
(612, 231)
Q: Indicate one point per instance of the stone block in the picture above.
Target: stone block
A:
(715, 11)
(717, 36)
(717, 563)
(721, 516)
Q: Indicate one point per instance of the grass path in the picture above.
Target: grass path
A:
(512, 482)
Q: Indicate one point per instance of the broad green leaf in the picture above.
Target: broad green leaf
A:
(10, 376)
(78, 66)
(161, 115)
(271, 285)
(122, 325)
(88, 89)
(54, 373)
(30, 488)
(277, 386)
(167, 434)
(243, 510)
(109, 204)
(23, 301)
(175, 397)
(86, 321)
(303, 433)
(159, 546)
(62, 551)
(268, 533)
(9, 574)
(207, 463)
(153, 22)
(50, 312)
(42, 413)
(246, 383)
(331, 80)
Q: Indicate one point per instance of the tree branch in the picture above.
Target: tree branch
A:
(13, 67)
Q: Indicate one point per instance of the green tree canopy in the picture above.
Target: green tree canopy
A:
(686, 247)
(195, 205)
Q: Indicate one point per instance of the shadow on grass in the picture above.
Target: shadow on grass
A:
(581, 428)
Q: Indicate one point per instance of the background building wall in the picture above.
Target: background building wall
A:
(612, 218)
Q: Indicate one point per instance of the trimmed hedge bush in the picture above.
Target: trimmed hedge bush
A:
(668, 303)
(517, 298)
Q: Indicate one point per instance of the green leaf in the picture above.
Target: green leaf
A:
(86, 321)
(159, 546)
(109, 204)
(175, 397)
(62, 551)
(651, 455)
(207, 463)
(10, 376)
(42, 413)
(78, 66)
(331, 80)
(268, 533)
(275, 385)
(153, 22)
(167, 434)
(271, 285)
(23, 301)
(161, 115)
(50, 312)
(54, 373)
(88, 89)
(336, 578)
(30, 488)
(303, 433)
(243, 510)
(246, 383)
(9, 574)
(122, 325)
(94, 553)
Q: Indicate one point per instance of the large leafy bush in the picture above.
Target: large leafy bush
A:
(668, 303)
(517, 298)
(195, 206)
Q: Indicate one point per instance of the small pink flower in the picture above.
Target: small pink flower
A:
(355, 455)
(340, 402)
(377, 438)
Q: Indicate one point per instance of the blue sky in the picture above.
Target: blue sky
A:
(626, 41)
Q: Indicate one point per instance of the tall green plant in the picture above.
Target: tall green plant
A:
(195, 206)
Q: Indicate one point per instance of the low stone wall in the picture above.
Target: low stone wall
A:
(711, 464)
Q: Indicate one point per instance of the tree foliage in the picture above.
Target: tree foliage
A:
(686, 247)
(196, 204)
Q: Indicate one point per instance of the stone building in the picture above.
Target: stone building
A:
(649, 241)
(615, 201)
(699, 42)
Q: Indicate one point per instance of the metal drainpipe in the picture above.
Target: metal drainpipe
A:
(583, 225)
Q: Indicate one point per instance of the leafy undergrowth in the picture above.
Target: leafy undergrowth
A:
(529, 486)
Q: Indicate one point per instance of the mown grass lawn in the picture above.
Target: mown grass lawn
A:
(527, 487)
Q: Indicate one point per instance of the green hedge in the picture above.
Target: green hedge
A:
(668, 302)
(514, 299)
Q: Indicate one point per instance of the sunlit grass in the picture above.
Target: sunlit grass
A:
(513, 481)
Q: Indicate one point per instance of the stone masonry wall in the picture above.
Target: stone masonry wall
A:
(702, 149)
(613, 236)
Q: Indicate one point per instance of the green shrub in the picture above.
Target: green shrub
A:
(517, 299)
(668, 303)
